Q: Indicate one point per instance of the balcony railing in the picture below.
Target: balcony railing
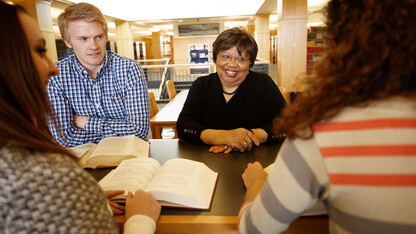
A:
(158, 71)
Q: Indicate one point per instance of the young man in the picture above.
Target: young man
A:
(97, 93)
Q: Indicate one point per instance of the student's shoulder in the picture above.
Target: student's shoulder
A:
(259, 76)
(116, 58)
(20, 159)
(66, 62)
(206, 80)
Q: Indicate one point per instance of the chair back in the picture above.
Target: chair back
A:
(285, 94)
(170, 87)
(153, 105)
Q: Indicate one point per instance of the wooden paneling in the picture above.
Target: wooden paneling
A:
(292, 39)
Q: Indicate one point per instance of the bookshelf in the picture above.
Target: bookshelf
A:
(62, 50)
(198, 53)
(315, 46)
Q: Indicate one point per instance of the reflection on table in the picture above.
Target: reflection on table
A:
(168, 116)
(229, 194)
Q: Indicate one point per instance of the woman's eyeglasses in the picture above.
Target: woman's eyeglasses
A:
(227, 58)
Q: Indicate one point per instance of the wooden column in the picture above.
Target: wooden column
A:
(292, 39)
(172, 58)
(124, 39)
(148, 47)
(262, 35)
(273, 47)
(156, 52)
(251, 29)
(112, 46)
(41, 12)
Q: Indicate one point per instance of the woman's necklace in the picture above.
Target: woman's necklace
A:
(232, 92)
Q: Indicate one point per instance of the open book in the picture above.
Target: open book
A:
(179, 183)
(110, 151)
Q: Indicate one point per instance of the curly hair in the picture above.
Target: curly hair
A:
(369, 54)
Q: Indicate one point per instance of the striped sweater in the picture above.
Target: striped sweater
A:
(361, 165)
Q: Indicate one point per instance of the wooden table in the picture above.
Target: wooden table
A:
(168, 116)
(229, 194)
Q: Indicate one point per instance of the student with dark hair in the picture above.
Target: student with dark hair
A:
(232, 109)
(352, 137)
(43, 189)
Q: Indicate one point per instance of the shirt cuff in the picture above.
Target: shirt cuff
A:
(93, 125)
(243, 210)
(139, 224)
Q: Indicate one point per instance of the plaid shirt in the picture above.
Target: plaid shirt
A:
(116, 101)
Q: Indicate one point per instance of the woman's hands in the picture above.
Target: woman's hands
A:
(239, 139)
(226, 141)
(254, 177)
(142, 203)
(116, 208)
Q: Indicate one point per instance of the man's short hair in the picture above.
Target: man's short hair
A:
(80, 11)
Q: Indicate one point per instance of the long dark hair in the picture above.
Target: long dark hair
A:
(370, 53)
(23, 99)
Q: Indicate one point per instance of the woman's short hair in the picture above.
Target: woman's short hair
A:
(80, 11)
(236, 37)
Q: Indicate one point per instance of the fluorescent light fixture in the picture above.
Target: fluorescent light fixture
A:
(111, 25)
(132, 10)
(231, 24)
(317, 3)
(55, 12)
(56, 29)
(165, 27)
(315, 24)
(143, 32)
(273, 18)
(272, 26)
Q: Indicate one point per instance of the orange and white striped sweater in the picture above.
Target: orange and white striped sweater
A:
(361, 164)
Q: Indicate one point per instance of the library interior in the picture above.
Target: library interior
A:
(175, 43)
(328, 162)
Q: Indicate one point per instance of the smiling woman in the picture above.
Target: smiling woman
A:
(232, 109)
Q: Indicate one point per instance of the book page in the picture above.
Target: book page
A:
(184, 182)
(83, 152)
(114, 146)
(80, 150)
(111, 151)
(130, 175)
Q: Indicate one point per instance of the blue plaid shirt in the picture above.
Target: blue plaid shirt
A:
(116, 102)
